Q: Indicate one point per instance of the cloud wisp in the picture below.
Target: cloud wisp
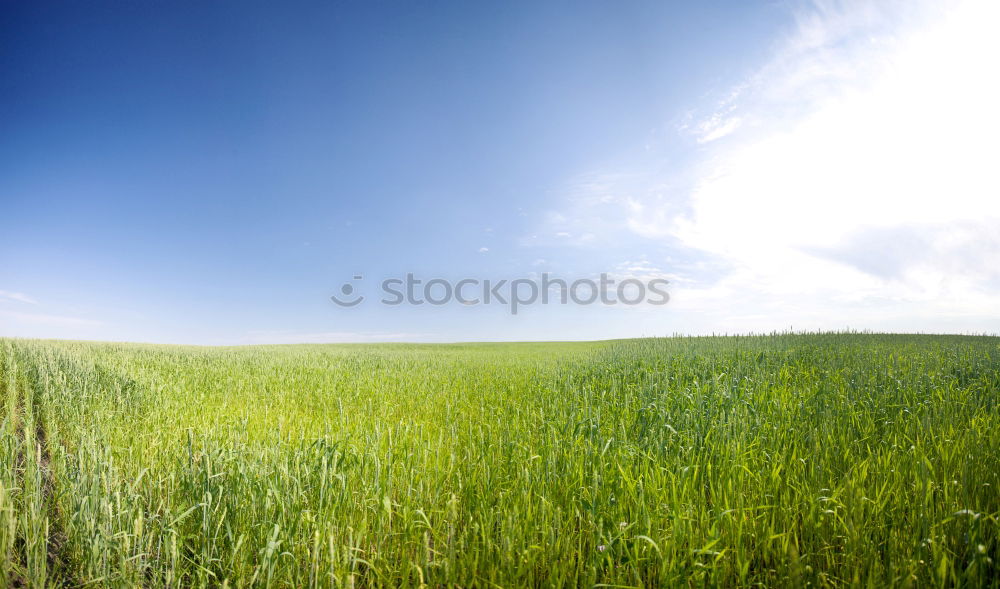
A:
(17, 297)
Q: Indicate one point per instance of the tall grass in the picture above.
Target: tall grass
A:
(790, 460)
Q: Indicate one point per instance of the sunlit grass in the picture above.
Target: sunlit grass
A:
(791, 460)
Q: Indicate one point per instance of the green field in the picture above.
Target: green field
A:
(822, 460)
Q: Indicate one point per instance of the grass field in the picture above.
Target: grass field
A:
(821, 460)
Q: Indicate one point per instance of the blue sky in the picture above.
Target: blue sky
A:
(212, 172)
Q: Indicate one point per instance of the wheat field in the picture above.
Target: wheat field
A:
(786, 460)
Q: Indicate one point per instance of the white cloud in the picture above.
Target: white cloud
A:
(6, 295)
(591, 215)
(484, 250)
(857, 181)
(914, 142)
(894, 130)
(717, 127)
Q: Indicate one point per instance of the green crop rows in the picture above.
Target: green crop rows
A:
(823, 460)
